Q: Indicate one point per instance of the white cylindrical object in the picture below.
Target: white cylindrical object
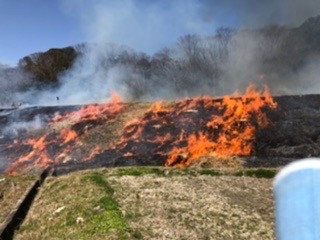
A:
(297, 199)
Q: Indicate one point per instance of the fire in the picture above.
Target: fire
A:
(94, 111)
(95, 152)
(197, 147)
(158, 108)
(39, 152)
(170, 134)
(231, 134)
(195, 128)
(68, 135)
(55, 145)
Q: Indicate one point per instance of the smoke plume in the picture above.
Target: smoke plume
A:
(155, 50)
(255, 14)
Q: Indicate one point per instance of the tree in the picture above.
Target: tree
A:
(46, 67)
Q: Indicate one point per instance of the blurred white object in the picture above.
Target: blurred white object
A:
(60, 209)
(297, 198)
(79, 220)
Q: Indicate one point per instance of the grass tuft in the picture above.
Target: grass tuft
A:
(112, 219)
(210, 172)
(258, 173)
(163, 172)
(138, 171)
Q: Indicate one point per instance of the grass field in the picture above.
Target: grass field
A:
(12, 190)
(153, 203)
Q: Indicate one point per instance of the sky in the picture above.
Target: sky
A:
(29, 26)
(36, 25)
(32, 26)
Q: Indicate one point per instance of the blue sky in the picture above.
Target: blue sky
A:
(32, 26)
(28, 26)
(37, 25)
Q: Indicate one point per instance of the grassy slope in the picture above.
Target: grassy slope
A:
(11, 190)
(153, 203)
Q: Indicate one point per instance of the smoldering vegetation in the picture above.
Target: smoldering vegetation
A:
(16, 127)
(12, 81)
(285, 58)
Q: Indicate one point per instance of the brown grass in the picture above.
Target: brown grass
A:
(152, 203)
(110, 133)
(11, 191)
(63, 201)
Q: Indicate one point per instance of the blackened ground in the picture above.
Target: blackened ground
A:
(11, 118)
(293, 134)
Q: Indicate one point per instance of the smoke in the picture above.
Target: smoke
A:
(140, 25)
(14, 128)
(255, 14)
(124, 51)
(147, 26)
(308, 77)
(143, 25)
(12, 81)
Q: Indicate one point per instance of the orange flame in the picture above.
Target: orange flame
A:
(68, 139)
(235, 129)
(95, 152)
(178, 134)
(68, 135)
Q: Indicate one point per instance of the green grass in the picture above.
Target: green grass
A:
(88, 196)
(138, 171)
(93, 196)
(210, 172)
(162, 172)
(112, 219)
(258, 173)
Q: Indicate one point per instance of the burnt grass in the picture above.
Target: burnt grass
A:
(293, 134)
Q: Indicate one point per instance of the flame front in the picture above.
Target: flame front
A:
(171, 134)
(57, 146)
(231, 134)
(200, 127)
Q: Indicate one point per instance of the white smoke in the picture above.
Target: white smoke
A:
(12, 80)
(14, 128)
(256, 14)
(149, 26)
(144, 26)
(309, 77)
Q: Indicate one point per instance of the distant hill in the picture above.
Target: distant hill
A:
(214, 64)
(292, 48)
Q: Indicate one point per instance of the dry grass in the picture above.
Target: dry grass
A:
(107, 134)
(152, 203)
(11, 190)
(77, 206)
(202, 207)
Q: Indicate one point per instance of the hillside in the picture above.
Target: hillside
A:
(151, 203)
(216, 152)
(258, 133)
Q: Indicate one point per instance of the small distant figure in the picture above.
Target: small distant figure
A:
(58, 99)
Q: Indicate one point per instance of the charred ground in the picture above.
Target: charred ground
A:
(293, 132)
